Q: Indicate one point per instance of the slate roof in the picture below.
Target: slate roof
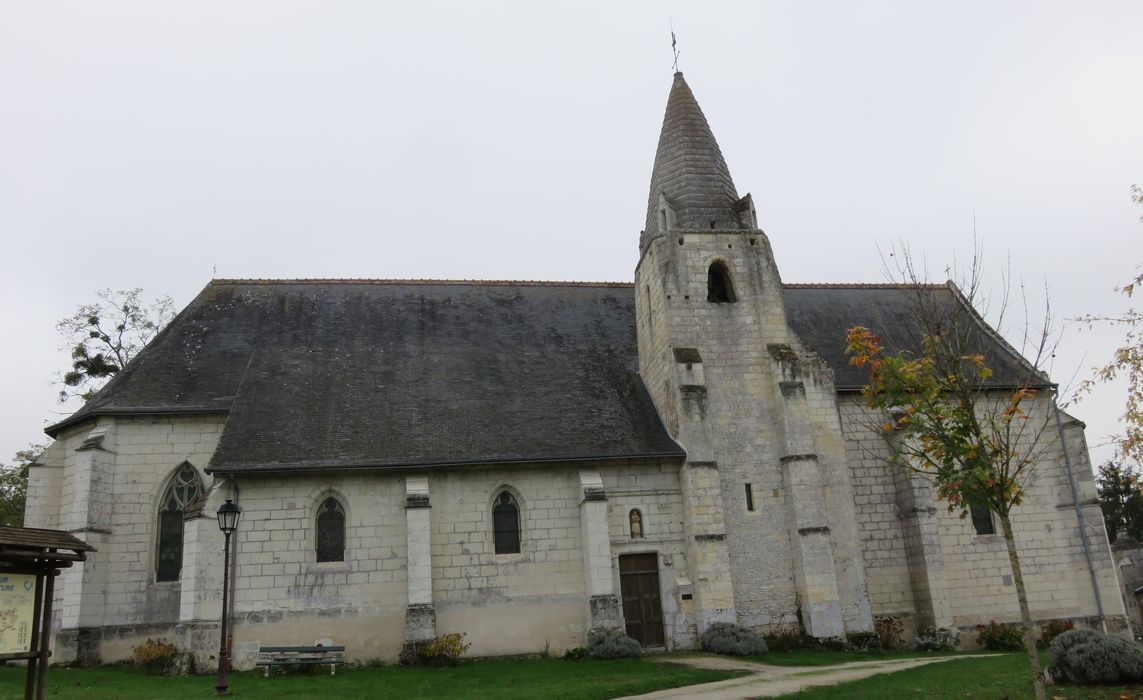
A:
(689, 169)
(821, 313)
(373, 374)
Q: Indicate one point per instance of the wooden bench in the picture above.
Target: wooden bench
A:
(301, 656)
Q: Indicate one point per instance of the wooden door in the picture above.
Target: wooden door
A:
(642, 609)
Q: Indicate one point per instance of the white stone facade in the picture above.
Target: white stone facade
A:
(949, 576)
(441, 556)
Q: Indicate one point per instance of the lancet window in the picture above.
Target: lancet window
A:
(184, 488)
(331, 531)
(506, 524)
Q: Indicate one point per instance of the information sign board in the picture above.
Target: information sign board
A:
(17, 609)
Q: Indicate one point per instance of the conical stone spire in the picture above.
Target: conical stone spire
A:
(691, 186)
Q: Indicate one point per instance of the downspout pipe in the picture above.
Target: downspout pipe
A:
(1079, 511)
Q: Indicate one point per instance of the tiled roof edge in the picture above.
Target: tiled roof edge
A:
(545, 283)
(355, 465)
(859, 285)
(427, 283)
(79, 416)
(1001, 340)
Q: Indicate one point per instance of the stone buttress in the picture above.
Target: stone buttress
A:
(88, 516)
(420, 615)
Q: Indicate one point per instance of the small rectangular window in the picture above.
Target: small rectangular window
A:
(749, 497)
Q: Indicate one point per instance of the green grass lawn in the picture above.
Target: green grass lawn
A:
(986, 678)
(493, 678)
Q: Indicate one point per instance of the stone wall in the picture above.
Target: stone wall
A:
(506, 603)
(715, 554)
(969, 574)
(1129, 560)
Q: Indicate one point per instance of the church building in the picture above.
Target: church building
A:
(526, 461)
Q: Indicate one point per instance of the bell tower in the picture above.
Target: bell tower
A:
(771, 532)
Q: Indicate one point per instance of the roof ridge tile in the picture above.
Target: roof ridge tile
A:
(422, 282)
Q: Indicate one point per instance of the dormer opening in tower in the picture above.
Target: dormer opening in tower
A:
(718, 286)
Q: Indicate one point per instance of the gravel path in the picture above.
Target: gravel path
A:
(771, 681)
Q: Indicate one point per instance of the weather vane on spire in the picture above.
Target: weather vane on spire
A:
(674, 44)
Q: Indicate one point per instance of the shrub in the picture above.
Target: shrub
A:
(1052, 630)
(1066, 640)
(1090, 664)
(1087, 657)
(576, 654)
(796, 641)
(731, 640)
(410, 653)
(996, 636)
(788, 641)
(612, 644)
(889, 630)
(154, 653)
(862, 642)
(444, 650)
(829, 643)
(1128, 657)
(942, 639)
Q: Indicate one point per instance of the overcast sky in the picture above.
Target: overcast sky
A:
(154, 145)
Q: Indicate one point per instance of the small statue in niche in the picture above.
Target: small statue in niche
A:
(636, 524)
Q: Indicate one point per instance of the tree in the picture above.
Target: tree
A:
(1126, 361)
(14, 486)
(1120, 500)
(977, 440)
(105, 335)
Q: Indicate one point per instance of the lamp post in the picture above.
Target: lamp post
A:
(227, 522)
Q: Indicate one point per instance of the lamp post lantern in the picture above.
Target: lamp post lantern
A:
(227, 522)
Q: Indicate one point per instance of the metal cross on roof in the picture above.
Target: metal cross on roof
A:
(674, 46)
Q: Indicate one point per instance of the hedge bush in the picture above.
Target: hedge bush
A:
(612, 644)
(444, 650)
(1052, 630)
(154, 653)
(1129, 657)
(731, 640)
(862, 642)
(942, 639)
(890, 630)
(1060, 646)
(996, 636)
(1089, 658)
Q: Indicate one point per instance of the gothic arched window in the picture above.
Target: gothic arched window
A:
(185, 487)
(635, 519)
(331, 531)
(506, 524)
(718, 286)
